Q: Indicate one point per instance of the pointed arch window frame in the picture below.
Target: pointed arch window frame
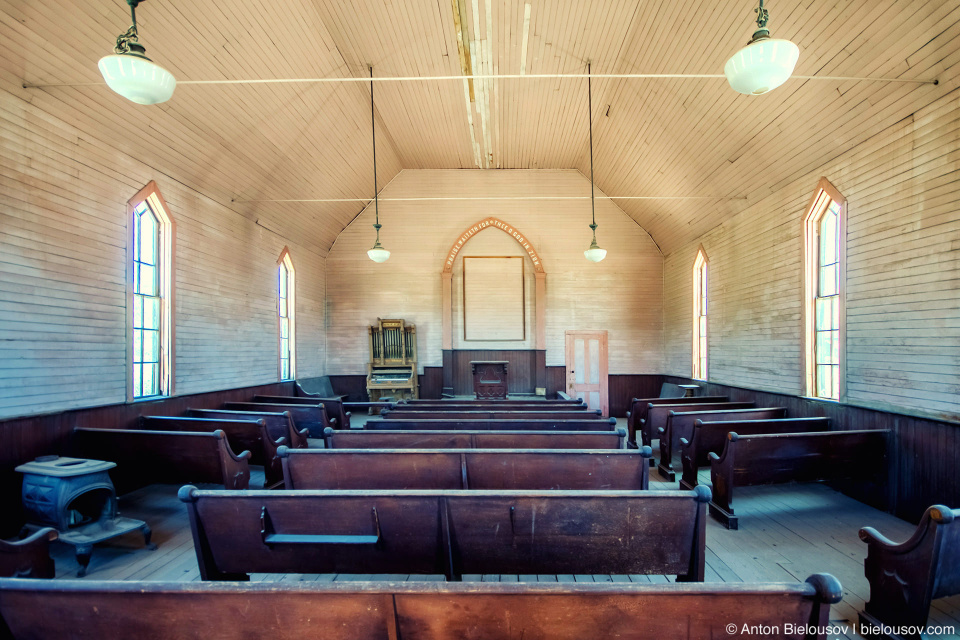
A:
(165, 270)
(286, 316)
(820, 202)
(699, 365)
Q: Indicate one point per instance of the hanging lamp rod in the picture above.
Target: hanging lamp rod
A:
(527, 76)
(489, 198)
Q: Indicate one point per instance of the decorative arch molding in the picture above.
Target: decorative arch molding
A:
(540, 274)
(492, 223)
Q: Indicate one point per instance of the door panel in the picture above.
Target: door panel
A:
(586, 363)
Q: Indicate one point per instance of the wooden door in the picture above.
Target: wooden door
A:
(587, 368)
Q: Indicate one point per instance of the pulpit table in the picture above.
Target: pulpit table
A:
(489, 379)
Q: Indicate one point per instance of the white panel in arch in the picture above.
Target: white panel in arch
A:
(493, 298)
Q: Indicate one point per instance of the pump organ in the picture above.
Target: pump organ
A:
(392, 372)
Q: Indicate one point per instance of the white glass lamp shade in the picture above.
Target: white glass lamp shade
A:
(595, 253)
(378, 254)
(761, 66)
(137, 78)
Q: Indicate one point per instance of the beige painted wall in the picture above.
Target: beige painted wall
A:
(903, 275)
(63, 194)
(620, 294)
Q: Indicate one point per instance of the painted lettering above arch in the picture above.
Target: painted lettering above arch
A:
(497, 224)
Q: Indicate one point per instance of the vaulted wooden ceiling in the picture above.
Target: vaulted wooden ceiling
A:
(242, 144)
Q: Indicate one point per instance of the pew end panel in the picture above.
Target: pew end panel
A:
(906, 577)
(30, 557)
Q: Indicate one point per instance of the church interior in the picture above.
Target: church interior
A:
(468, 318)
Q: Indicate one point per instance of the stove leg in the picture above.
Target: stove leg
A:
(83, 557)
(147, 532)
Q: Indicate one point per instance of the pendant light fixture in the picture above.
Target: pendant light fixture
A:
(377, 253)
(764, 64)
(131, 73)
(594, 253)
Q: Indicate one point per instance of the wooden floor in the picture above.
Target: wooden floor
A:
(787, 532)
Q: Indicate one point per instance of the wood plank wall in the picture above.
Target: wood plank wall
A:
(63, 193)
(923, 460)
(620, 294)
(903, 269)
(23, 439)
(521, 372)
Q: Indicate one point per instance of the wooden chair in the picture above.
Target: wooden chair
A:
(30, 557)
(905, 578)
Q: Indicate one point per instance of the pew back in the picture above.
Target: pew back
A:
(426, 611)
(146, 457)
(279, 423)
(712, 436)
(448, 532)
(479, 469)
(514, 424)
(489, 415)
(657, 415)
(312, 417)
(466, 439)
(637, 411)
(30, 557)
(334, 406)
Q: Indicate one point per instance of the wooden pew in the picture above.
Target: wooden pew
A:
(448, 532)
(312, 417)
(334, 406)
(680, 425)
(476, 469)
(54, 610)
(712, 436)
(498, 425)
(279, 423)
(905, 578)
(30, 557)
(657, 414)
(172, 457)
(504, 403)
(463, 439)
(638, 409)
(792, 457)
(490, 415)
(250, 435)
(492, 405)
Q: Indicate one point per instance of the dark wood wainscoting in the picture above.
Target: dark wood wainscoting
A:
(923, 468)
(23, 439)
(521, 370)
(622, 388)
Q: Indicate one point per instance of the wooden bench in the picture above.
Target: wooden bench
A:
(712, 436)
(476, 469)
(792, 457)
(598, 424)
(638, 410)
(54, 610)
(463, 439)
(313, 417)
(496, 405)
(279, 423)
(250, 435)
(170, 457)
(680, 425)
(448, 532)
(657, 415)
(30, 557)
(334, 406)
(905, 578)
(490, 415)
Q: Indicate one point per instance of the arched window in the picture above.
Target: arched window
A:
(700, 315)
(286, 312)
(150, 296)
(825, 271)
